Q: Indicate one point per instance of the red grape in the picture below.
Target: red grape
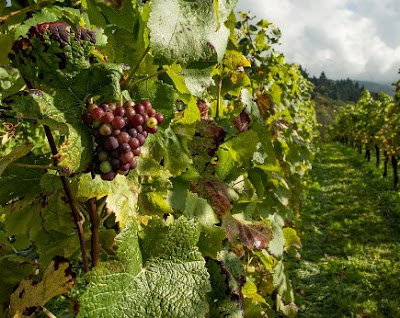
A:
(141, 139)
(91, 107)
(127, 157)
(146, 104)
(87, 118)
(119, 111)
(151, 112)
(123, 137)
(124, 148)
(97, 113)
(145, 118)
(118, 122)
(159, 117)
(115, 163)
(152, 130)
(137, 120)
(105, 107)
(115, 154)
(139, 129)
(136, 151)
(129, 104)
(134, 143)
(108, 176)
(107, 118)
(140, 109)
(132, 132)
(133, 164)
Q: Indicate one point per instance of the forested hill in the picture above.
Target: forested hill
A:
(345, 90)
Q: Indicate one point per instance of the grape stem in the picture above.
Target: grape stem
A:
(148, 77)
(140, 61)
(95, 239)
(48, 313)
(33, 7)
(71, 201)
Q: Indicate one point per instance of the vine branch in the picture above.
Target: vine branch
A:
(30, 166)
(140, 61)
(148, 77)
(95, 239)
(71, 201)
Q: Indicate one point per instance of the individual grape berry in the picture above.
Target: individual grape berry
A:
(151, 112)
(152, 130)
(137, 120)
(87, 118)
(129, 112)
(139, 129)
(115, 164)
(124, 148)
(97, 113)
(134, 143)
(152, 122)
(118, 122)
(129, 104)
(132, 132)
(145, 118)
(123, 137)
(144, 133)
(140, 109)
(105, 107)
(124, 167)
(119, 111)
(136, 152)
(133, 164)
(96, 132)
(141, 139)
(110, 176)
(107, 118)
(91, 107)
(96, 123)
(146, 104)
(111, 143)
(105, 167)
(115, 132)
(112, 106)
(127, 157)
(103, 156)
(106, 129)
(159, 117)
(115, 154)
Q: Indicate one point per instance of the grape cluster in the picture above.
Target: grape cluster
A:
(119, 133)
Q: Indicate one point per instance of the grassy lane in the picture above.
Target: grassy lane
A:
(350, 265)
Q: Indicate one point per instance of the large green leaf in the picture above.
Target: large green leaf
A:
(172, 281)
(14, 155)
(185, 31)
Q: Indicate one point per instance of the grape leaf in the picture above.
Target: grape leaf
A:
(197, 77)
(57, 279)
(254, 235)
(177, 34)
(171, 282)
(17, 153)
(121, 195)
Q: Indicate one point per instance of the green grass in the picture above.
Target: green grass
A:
(350, 230)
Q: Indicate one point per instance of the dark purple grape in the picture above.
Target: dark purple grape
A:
(118, 122)
(111, 143)
(139, 129)
(141, 139)
(137, 120)
(139, 109)
(97, 113)
(115, 154)
(105, 107)
(144, 133)
(87, 118)
(123, 137)
(127, 157)
(96, 132)
(108, 176)
(159, 117)
(152, 130)
(115, 164)
(136, 151)
(134, 143)
(103, 156)
(106, 129)
(125, 167)
(132, 132)
(107, 118)
(119, 111)
(124, 148)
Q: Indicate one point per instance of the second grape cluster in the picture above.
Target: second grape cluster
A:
(119, 132)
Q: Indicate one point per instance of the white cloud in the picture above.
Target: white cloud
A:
(358, 39)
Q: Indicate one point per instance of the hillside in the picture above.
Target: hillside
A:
(376, 87)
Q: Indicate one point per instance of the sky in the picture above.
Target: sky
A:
(357, 39)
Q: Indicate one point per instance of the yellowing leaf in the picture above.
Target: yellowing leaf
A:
(234, 59)
(56, 280)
